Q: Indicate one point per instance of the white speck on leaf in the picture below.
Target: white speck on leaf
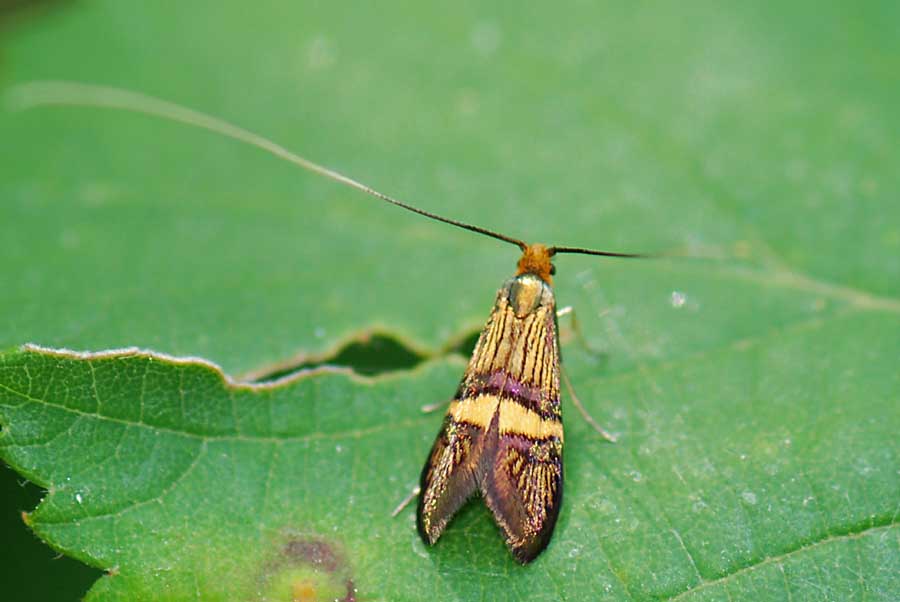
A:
(749, 497)
(467, 102)
(678, 299)
(69, 240)
(486, 37)
(321, 53)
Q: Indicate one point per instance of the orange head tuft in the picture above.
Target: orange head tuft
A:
(536, 260)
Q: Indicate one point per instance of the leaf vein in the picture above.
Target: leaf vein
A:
(779, 559)
(315, 436)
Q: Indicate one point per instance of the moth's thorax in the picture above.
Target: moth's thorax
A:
(526, 293)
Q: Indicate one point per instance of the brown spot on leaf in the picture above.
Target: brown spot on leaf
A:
(315, 553)
(307, 569)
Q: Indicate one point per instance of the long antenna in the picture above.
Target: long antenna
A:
(46, 93)
(61, 93)
(558, 250)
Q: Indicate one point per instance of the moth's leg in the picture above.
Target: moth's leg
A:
(576, 328)
(412, 495)
(431, 407)
(427, 409)
(584, 413)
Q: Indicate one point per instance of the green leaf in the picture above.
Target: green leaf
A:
(168, 476)
(755, 391)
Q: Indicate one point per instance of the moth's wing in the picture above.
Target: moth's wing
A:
(523, 482)
(524, 491)
(457, 459)
(449, 476)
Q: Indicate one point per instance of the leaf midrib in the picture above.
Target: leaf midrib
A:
(778, 559)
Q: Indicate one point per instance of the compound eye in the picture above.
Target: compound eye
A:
(552, 269)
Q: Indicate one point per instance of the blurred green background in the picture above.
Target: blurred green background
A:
(762, 136)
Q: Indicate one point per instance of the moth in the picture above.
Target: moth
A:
(502, 435)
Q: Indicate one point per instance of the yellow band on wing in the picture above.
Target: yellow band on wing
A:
(514, 417)
(477, 411)
(519, 420)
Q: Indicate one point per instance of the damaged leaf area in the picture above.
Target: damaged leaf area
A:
(176, 481)
(183, 485)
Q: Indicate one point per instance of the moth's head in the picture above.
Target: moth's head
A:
(536, 260)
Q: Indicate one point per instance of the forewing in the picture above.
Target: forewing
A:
(456, 461)
(523, 481)
(449, 476)
(524, 491)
